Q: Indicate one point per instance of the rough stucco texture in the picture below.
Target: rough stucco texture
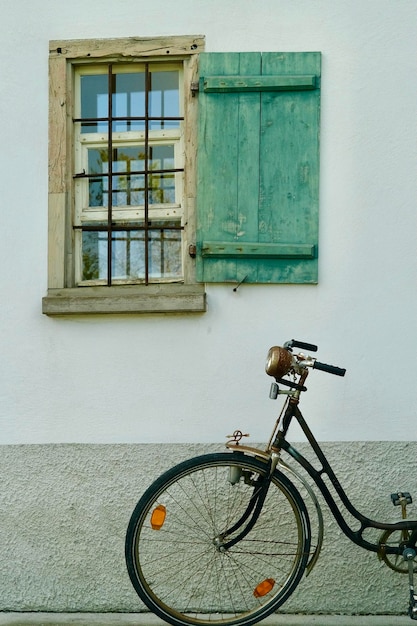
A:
(64, 511)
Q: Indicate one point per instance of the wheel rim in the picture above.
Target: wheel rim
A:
(182, 570)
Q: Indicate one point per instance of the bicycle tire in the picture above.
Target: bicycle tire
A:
(179, 571)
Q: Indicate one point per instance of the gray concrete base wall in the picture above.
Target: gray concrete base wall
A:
(64, 510)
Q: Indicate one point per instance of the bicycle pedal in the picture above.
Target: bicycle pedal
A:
(402, 497)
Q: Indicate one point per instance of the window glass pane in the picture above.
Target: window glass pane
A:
(94, 255)
(128, 254)
(94, 102)
(98, 191)
(164, 99)
(98, 187)
(129, 101)
(161, 186)
(161, 189)
(129, 189)
(165, 253)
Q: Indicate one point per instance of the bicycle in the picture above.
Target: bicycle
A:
(225, 538)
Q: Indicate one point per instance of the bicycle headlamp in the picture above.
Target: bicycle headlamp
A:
(278, 362)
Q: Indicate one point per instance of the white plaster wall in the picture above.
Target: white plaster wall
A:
(171, 379)
(193, 378)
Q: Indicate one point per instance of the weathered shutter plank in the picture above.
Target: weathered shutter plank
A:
(228, 157)
(288, 203)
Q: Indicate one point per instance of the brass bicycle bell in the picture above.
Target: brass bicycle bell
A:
(278, 362)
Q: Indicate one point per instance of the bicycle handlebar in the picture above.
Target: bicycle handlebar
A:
(324, 367)
(331, 369)
(302, 344)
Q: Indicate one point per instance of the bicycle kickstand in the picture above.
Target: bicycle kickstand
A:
(409, 555)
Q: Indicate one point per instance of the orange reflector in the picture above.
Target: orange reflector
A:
(264, 587)
(158, 517)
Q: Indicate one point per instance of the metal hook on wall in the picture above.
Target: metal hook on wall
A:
(242, 281)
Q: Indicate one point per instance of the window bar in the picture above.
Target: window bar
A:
(133, 118)
(128, 251)
(130, 173)
(146, 206)
(110, 176)
(124, 227)
(128, 182)
(162, 244)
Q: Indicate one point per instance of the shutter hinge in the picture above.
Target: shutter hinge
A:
(194, 88)
(192, 250)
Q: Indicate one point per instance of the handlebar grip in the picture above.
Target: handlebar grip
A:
(303, 345)
(331, 369)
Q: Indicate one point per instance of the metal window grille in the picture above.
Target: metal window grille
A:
(111, 228)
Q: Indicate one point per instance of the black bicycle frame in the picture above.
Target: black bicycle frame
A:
(280, 443)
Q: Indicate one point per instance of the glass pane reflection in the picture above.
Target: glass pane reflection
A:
(128, 254)
(129, 176)
(129, 100)
(94, 102)
(164, 99)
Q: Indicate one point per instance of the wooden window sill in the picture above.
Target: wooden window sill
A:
(170, 298)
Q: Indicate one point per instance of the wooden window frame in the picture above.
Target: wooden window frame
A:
(63, 296)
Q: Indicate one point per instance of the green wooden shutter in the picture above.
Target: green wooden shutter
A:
(258, 167)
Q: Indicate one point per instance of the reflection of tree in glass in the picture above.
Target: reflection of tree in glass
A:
(129, 188)
(90, 266)
(128, 254)
(165, 253)
(90, 256)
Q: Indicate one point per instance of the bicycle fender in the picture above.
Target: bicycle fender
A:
(320, 535)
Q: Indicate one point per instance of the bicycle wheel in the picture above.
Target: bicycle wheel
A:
(175, 543)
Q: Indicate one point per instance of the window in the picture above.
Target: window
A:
(128, 181)
(122, 179)
(151, 198)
